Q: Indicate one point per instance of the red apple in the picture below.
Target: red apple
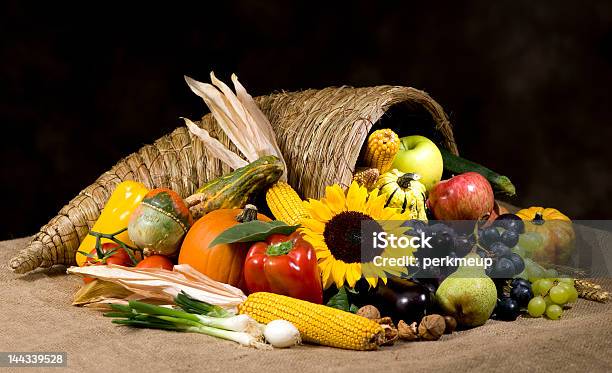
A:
(467, 196)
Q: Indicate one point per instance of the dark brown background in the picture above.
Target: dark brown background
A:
(526, 84)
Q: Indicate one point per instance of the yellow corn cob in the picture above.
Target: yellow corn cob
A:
(367, 177)
(285, 204)
(317, 323)
(381, 148)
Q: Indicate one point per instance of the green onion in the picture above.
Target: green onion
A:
(241, 328)
(201, 308)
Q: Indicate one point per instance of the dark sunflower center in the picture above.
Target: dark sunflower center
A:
(343, 235)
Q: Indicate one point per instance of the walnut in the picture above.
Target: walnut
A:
(407, 332)
(390, 331)
(432, 327)
(369, 312)
(391, 334)
(451, 324)
(384, 320)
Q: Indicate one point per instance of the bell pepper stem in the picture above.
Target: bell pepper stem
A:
(281, 248)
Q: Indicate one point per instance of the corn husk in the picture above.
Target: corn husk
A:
(240, 118)
(99, 291)
(163, 285)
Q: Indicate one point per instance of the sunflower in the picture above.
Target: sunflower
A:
(334, 229)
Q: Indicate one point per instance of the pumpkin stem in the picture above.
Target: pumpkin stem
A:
(248, 214)
(538, 218)
(404, 180)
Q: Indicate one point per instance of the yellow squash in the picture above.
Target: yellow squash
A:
(404, 191)
(115, 215)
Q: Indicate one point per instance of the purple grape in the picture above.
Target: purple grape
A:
(489, 236)
(521, 294)
(507, 309)
(509, 238)
(519, 263)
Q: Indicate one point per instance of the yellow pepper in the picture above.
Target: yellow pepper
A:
(115, 216)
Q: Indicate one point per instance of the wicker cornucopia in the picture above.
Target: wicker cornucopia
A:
(320, 133)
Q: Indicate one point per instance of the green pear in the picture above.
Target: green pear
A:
(468, 295)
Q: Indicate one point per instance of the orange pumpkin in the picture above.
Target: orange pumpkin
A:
(221, 262)
(557, 232)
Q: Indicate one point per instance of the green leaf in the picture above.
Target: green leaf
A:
(253, 231)
(341, 301)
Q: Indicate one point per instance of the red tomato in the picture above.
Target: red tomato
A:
(156, 261)
(119, 257)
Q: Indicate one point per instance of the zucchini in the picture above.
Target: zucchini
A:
(457, 165)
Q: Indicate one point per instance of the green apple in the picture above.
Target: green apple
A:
(418, 154)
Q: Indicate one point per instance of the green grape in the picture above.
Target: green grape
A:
(566, 280)
(534, 271)
(554, 311)
(552, 273)
(536, 307)
(519, 250)
(573, 295)
(522, 275)
(565, 285)
(559, 294)
(530, 241)
(548, 301)
(541, 287)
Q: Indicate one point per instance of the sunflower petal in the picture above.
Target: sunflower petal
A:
(326, 267)
(334, 197)
(372, 281)
(339, 272)
(322, 254)
(353, 274)
(319, 211)
(356, 197)
(375, 205)
(313, 225)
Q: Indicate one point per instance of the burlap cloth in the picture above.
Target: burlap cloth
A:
(37, 316)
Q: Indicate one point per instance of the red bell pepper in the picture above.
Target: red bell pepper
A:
(285, 265)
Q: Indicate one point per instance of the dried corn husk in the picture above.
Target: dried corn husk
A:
(161, 284)
(99, 291)
(240, 118)
(587, 285)
(594, 295)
